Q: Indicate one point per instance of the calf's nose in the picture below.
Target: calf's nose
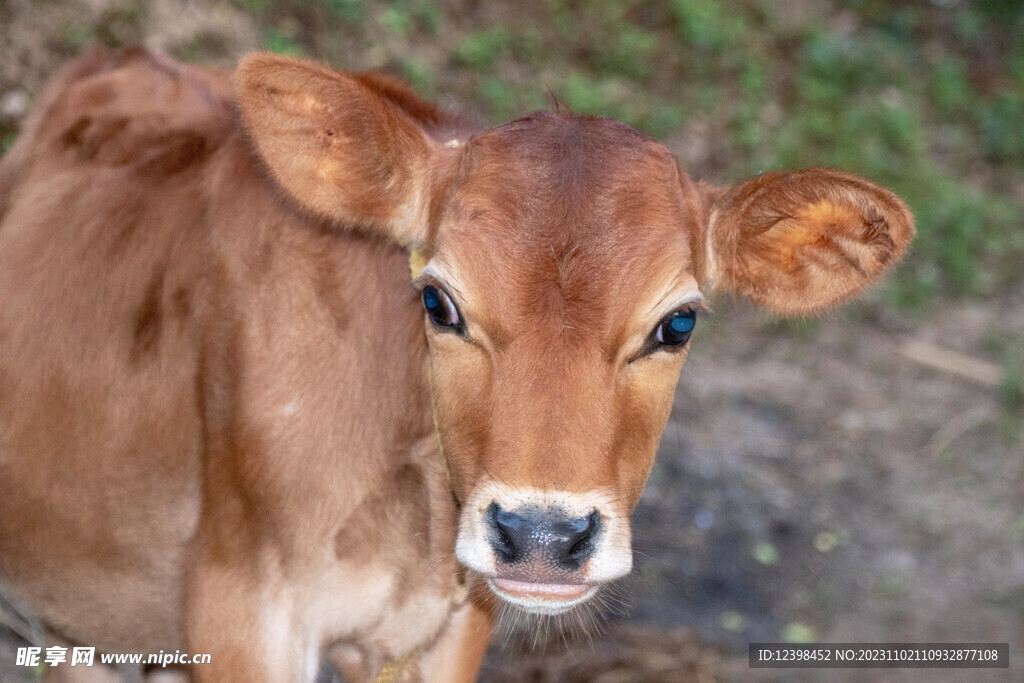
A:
(545, 534)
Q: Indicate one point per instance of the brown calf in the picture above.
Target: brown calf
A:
(230, 424)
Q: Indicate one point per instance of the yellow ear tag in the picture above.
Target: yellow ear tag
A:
(417, 262)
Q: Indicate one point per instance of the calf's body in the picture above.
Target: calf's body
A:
(233, 421)
(173, 329)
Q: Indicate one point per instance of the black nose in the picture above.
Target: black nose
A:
(547, 533)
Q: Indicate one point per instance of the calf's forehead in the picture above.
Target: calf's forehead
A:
(576, 208)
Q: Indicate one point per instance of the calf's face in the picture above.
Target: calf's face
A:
(561, 261)
(559, 297)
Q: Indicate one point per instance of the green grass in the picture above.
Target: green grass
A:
(867, 96)
(479, 51)
(925, 98)
(282, 41)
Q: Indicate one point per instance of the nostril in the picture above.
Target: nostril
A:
(502, 543)
(508, 522)
(507, 527)
(583, 543)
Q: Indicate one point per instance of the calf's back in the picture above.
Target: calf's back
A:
(172, 328)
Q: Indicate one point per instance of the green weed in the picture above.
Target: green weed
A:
(350, 11)
(278, 40)
(479, 51)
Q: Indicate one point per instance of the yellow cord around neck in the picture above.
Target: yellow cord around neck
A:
(393, 670)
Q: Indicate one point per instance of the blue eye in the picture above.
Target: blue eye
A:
(431, 299)
(675, 330)
(441, 309)
(681, 323)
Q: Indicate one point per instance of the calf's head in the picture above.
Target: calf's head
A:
(563, 262)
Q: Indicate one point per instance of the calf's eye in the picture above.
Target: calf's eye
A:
(675, 330)
(441, 309)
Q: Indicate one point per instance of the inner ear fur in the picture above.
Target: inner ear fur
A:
(339, 147)
(799, 242)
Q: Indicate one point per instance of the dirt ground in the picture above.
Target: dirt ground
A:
(833, 481)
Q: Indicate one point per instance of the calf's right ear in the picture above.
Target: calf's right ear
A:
(339, 147)
(798, 242)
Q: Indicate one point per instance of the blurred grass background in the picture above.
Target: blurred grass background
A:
(926, 97)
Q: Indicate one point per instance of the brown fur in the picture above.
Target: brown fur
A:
(223, 413)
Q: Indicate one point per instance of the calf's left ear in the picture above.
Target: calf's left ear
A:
(799, 242)
(338, 146)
